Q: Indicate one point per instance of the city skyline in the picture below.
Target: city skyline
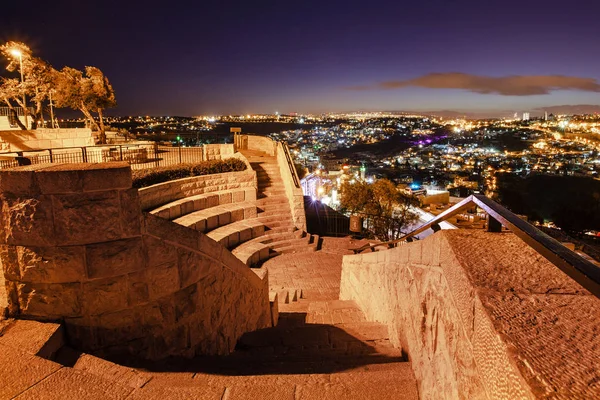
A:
(483, 59)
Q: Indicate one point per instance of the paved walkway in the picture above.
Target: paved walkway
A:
(317, 274)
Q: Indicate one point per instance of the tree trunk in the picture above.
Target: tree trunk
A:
(14, 113)
(89, 116)
(102, 129)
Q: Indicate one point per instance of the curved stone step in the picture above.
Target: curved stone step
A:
(214, 217)
(177, 208)
(238, 232)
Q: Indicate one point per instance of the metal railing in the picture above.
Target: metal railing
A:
(578, 268)
(288, 156)
(138, 156)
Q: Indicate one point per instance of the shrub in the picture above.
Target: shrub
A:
(152, 176)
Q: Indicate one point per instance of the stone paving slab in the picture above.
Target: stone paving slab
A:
(71, 384)
(39, 338)
(20, 370)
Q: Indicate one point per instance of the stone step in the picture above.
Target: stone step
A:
(210, 218)
(122, 375)
(355, 379)
(233, 234)
(42, 339)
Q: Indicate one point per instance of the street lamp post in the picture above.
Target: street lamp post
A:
(17, 53)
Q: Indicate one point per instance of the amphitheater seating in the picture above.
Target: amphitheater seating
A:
(254, 223)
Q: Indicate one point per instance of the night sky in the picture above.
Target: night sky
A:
(206, 57)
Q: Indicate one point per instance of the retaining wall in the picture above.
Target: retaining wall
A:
(75, 247)
(482, 316)
(19, 140)
(166, 192)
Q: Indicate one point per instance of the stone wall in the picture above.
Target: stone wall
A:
(482, 316)
(295, 194)
(254, 142)
(166, 192)
(217, 151)
(75, 247)
(19, 140)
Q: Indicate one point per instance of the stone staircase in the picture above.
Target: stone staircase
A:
(254, 226)
(319, 350)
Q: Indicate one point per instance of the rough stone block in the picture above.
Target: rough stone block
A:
(52, 264)
(185, 302)
(9, 262)
(237, 196)
(212, 222)
(209, 246)
(200, 203)
(19, 182)
(104, 295)
(158, 251)
(120, 326)
(212, 201)
(170, 231)
(200, 225)
(237, 215)
(106, 176)
(187, 207)
(60, 179)
(175, 211)
(162, 280)
(27, 221)
(86, 217)
(115, 258)
(131, 216)
(245, 235)
(49, 300)
(225, 198)
(193, 266)
(224, 218)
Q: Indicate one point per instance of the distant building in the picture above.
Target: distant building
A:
(525, 116)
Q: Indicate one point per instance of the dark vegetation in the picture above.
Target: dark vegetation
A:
(572, 203)
(148, 177)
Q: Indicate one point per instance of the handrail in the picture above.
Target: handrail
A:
(578, 268)
(286, 151)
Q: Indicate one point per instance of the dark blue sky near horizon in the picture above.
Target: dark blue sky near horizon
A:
(219, 57)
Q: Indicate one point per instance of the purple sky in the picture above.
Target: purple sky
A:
(207, 56)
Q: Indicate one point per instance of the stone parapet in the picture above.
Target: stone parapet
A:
(75, 247)
(482, 316)
(294, 194)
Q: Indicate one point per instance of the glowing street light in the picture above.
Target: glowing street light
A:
(18, 53)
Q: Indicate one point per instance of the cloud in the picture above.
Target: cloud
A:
(514, 85)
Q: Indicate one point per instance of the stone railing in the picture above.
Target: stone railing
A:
(288, 173)
(75, 247)
(292, 191)
(166, 192)
(481, 315)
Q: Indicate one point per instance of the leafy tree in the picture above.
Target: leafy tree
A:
(88, 93)
(388, 208)
(38, 76)
(99, 95)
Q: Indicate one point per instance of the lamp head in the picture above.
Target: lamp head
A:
(16, 53)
